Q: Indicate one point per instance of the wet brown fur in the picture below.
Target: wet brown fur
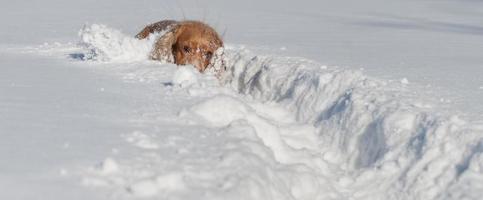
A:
(185, 42)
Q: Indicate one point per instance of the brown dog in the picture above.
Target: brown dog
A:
(185, 42)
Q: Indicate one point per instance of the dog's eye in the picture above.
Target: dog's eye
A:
(208, 55)
(186, 49)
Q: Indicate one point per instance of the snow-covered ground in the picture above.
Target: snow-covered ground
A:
(84, 114)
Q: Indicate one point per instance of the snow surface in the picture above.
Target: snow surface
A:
(85, 115)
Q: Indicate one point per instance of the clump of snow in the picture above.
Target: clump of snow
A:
(404, 81)
(141, 140)
(161, 184)
(63, 172)
(105, 44)
(108, 166)
(144, 188)
(185, 76)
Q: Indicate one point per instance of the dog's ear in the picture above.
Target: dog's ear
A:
(163, 48)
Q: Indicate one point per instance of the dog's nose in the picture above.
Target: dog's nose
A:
(198, 64)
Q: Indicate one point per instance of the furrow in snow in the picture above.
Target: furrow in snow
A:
(287, 128)
(389, 143)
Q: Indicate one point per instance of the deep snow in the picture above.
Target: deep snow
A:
(89, 117)
(436, 45)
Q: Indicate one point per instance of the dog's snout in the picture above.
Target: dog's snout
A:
(198, 64)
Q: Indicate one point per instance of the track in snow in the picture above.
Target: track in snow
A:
(278, 128)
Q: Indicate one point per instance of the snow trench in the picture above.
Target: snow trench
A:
(291, 128)
(386, 143)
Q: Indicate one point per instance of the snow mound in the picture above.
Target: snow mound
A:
(221, 110)
(102, 43)
(108, 166)
(388, 143)
(185, 76)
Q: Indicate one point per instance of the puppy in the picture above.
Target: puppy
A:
(184, 42)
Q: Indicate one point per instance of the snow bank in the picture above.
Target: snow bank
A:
(389, 144)
(105, 44)
(290, 128)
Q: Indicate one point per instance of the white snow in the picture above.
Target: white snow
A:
(161, 184)
(90, 117)
(108, 166)
(185, 76)
(404, 81)
(105, 44)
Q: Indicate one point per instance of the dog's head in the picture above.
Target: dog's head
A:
(196, 44)
(190, 42)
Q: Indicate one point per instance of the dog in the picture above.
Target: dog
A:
(184, 42)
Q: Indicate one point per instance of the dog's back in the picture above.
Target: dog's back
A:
(156, 27)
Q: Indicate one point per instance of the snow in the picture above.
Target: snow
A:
(108, 166)
(165, 184)
(185, 76)
(88, 116)
(106, 44)
(404, 81)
